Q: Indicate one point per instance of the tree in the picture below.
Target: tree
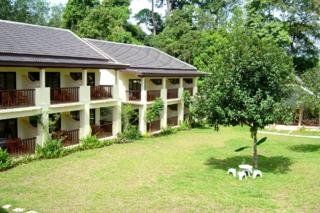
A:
(154, 111)
(248, 80)
(144, 16)
(75, 11)
(56, 15)
(300, 19)
(108, 21)
(5, 9)
(30, 11)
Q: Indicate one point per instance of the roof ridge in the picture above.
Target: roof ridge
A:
(113, 42)
(33, 25)
(87, 41)
(177, 59)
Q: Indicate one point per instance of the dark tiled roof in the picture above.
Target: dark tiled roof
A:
(164, 72)
(27, 43)
(143, 58)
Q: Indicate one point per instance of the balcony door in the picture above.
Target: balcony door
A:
(7, 80)
(8, 129)
(53, 79)
(134, 85)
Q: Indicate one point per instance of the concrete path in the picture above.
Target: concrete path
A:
(290, 135)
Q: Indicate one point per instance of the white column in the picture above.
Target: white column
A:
(115, 92)
(84, 77)
(195, 85)
(142, 119)
(97, 116)
(143, 91)
(116, 119)
(180, 113)
(180, 93)
(43, 78)
(43, 128)
(85, 128)
(165, 107)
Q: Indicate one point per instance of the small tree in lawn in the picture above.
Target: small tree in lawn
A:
(247, 83)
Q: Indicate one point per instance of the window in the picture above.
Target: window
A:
(34, 76)
(156, 81)
(8, 129)
(91, 79)
(76, 76)
(188, 80)
(75, 115)
(174, 81)
(7, 80)
(92, 116)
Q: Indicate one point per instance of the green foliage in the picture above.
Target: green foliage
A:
(144, 16)
(185, 125)
(154, 111)
(50, 149)
(128, 134)
(90, 142)
(128, 115)
(56, 15)
(167, 131)
(75, 11)
(5, 161)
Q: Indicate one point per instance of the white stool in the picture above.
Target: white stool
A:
(242, 175)
(233, 172)
(257, 173)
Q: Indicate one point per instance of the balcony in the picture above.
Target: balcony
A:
(153, 95)
(64, 95)
(101, 92)
(17, 146)
(189, 89)
(102, 131)
(17, 98)
(68, 137)
(153, 126)
(172, 93)
(134, 95)
(172, 121)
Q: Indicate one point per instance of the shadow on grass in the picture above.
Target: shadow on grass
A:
(274, 164)
(305, 148)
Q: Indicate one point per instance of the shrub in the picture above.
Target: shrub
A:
(167, 131)
(51, 149)
(184, 126)
(5, 161)
(90, 142)
(129, 134)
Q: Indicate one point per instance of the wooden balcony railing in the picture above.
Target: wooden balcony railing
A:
(134, 95)
(102, 130)
(17, 146)
(64, 95)
(172, 93)
(153, 95)
(153, 126)
(172, 121)
(101, 92)
(189, 89)
(68, 137)
(17, 98)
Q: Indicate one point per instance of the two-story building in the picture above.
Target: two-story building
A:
(151, 74)
(52, 81)
(50, 76)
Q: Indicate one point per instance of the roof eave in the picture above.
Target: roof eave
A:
(63, 65)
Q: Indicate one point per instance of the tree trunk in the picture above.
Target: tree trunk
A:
(255, 149)
(153, 19)
(301, 109)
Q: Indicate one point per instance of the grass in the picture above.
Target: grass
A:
(181, 172)
(304, 132)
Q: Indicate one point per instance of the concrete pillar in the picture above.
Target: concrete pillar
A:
(116, 119)
(84, 77)
(84, 98)
(42, 78)
(143, 91)
(97, 116)
(180, 113)
(142, 119)
(195, 85)
(115, 91)
(43, 128)
(180, 90)
(164, 115)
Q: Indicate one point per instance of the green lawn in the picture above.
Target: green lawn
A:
(181, 172)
